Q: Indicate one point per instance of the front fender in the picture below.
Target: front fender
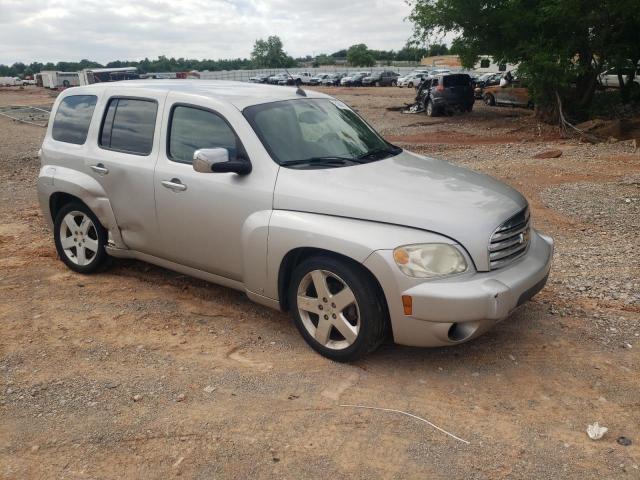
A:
(54, 179)
(352, 238)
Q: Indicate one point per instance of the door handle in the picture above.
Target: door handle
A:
(99, 168)
(174, 184)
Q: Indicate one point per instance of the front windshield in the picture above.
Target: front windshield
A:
(309, 131)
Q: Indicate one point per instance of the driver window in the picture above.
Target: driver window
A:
(192, 128)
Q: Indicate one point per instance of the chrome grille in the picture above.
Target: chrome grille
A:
(510, 240)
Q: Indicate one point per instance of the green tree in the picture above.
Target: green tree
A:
(360, 56)
(339, 54)
(269, 53)
(560, 45)
(324, 59)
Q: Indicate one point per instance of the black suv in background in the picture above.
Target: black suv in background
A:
(333, 79)
(381, 79)
(446, 93)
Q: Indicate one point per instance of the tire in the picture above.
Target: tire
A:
(298, 82)
(410, 85)
(430, 109)
(359, 308)
(394, 84)
(377, 84)
(489, 100)
(81, 250)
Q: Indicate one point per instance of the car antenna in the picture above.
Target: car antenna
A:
(299, 91)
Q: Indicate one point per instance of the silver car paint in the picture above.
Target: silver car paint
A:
(407, 190)
(202, 226)
(236, 231)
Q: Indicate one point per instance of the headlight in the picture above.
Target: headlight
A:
(429, 260)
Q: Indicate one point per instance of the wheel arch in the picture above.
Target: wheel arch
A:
(295, 236)
(57, 200)
(295, 257)
(59, 185)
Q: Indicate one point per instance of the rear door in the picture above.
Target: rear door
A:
(457, 89)
(123, 159)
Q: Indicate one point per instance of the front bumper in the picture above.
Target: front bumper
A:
(456, 309)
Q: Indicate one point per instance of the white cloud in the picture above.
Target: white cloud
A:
(104, 30)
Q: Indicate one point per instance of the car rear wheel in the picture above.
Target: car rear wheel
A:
(430, 109)
(337, 308)
(489, 100)
(410, 85)
(80, 238)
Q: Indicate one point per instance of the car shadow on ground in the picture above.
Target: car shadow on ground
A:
(508, 339)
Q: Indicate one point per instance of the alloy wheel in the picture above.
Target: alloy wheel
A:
(79, 238)
(328, 309)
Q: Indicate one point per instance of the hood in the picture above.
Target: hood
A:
(408, 190)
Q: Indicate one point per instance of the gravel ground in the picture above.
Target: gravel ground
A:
(143, 373)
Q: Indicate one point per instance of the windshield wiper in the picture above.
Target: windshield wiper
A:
(380, 153)
(322, 161)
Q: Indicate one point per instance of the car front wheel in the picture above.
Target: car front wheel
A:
(80, 238)
(337, 308)
(489, 100)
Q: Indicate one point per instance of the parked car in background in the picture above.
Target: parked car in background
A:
(485, 80)
(411, 80)
(277, 78)
(354, 80)
(609, 78)
(260, 78)
(386, 78)
(300, 78)
(445, 93)
(512, 90)
(10, 81)
(317, 78)
(333, 79)
(277, 193)
(439, 71)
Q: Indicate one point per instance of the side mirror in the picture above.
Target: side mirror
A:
(216, 160)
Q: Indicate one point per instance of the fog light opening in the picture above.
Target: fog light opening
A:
(461, 331)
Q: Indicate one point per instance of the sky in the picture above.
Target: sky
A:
(105, 30)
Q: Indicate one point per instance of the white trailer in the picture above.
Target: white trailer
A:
(486, 64)
(97, 75)
(54, 79)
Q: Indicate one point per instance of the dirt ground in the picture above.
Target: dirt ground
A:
(228, 389)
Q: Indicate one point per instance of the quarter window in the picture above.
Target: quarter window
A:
(129, 125)
(193, 128)
(73, 117)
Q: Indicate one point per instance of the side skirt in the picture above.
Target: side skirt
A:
(176, 267)
(194, 272)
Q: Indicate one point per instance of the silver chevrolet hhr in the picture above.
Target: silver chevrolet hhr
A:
(291, 197)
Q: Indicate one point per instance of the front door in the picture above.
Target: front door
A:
(203, 217)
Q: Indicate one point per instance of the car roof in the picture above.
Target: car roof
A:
(238, 94)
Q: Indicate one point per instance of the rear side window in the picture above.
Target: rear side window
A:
(73, 118)
(129, 125)
(456, 80)
(193, 128)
